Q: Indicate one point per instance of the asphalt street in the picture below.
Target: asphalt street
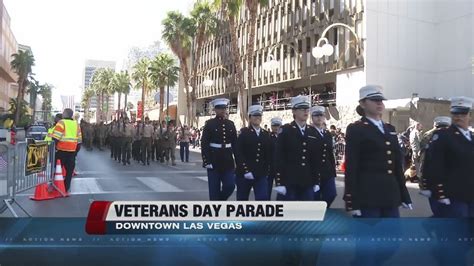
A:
(101, 178)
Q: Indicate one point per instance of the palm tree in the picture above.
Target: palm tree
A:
(163, 72)
(142, 80)
(22, 64)
(252, 6)
(102, 84)
(86, 100)
(107, 80)
(122, 80)
(177, 34)
(46, 93)
(205, 23)
(230, 10)
(34, 88)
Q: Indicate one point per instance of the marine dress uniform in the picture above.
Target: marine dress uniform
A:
(425, 156)
(275, 123)
(253, 159)
(218, 142)
(326, 161)
(296, 174)
(451, 166)
(374, 181)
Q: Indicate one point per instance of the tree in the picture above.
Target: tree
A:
(34, 89)
(46, 93)
(122, 80)
(163, 72)
(230, 11)
(25, 119)
(141, 78)
(252, 6)
(205, 22)
(177, 32)
(22, 64)
(102, 84)
(86, 100)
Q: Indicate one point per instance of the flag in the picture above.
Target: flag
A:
(68, 101)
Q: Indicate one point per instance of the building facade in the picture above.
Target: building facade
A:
(8, 46)
(413, 48)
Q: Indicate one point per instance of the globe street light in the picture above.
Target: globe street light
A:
(327, 49)
(208, 82)
(272, 63)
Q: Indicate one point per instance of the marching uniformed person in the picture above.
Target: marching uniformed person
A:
(296, 175)
(101, 135)
(218, 149)
(451, 167)
(374, 181)
(147, 134)
(439, 122)
(127, 141)
(275, 125)
(160, 141)
(112, 140)
(119, 138)
(137, 142)
(169, 144)
(327, 161)
(68, 137)
(89, 135)
(253, 157)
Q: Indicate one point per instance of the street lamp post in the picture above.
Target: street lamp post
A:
(327, 49)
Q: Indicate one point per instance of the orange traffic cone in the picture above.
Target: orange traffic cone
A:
(59, 181)
(42, 192)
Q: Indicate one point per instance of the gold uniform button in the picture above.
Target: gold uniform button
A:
(389, 152)
(388, 143)
(389, 172)
(303, 164)
(389, 162)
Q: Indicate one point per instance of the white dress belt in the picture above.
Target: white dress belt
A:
(215, 145)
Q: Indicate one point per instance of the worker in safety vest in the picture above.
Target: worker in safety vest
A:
(68, 137)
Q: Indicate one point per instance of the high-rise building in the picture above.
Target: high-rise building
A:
(8, 46)
(90, 68)
(411, 48)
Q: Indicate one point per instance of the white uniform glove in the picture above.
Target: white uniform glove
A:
(426, 193)
(208, 166)
(280, 190)
(407, 206)
(316, 188)
(249, 176)
(445, 201)
(355, 213)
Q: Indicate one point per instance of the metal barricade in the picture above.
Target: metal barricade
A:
(14, 177)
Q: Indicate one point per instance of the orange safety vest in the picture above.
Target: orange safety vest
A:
(68, 134)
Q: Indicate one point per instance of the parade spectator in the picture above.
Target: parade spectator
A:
(184, 136)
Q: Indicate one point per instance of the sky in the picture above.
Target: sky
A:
(63, 34)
